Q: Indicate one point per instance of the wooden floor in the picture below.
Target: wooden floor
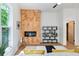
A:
(22, 46)
(44, 44)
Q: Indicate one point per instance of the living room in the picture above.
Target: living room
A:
(29, 19)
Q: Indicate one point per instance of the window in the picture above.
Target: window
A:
(4, 24)
(4, 15)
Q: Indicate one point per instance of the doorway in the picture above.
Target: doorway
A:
(70, 34)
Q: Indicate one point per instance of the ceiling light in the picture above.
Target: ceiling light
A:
(55, 5)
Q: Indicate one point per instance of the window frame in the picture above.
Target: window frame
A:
(5, 26)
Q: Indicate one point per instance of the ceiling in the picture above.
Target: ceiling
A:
(39, 6)
(70, 5)
(47, 6)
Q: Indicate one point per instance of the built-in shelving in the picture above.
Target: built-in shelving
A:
(49, 33)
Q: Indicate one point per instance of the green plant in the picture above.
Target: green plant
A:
(4, 17)
(2, 50)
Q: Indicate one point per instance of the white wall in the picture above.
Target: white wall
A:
(77, 27)
(60, 20)
(71, 14)
(16, 17)
(50, 19)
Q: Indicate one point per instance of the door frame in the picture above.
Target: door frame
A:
(68, 34)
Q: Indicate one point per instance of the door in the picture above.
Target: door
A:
(70, 34)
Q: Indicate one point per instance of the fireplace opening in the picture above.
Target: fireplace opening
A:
(30, 33)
